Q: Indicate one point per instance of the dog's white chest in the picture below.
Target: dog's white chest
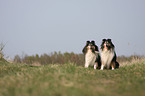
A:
(107, 56)
(90, 57)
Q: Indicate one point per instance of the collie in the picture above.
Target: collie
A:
(92, 56)
(108, 55)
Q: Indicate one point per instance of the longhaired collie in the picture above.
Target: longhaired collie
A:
(108, 55)
(92, 56)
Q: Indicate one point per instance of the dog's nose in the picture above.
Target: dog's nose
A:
(89, 47)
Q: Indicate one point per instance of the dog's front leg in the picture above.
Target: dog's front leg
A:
(113, 65)
(86, 64)
(102, 66)
(95, 65)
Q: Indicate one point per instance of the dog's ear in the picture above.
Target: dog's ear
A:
(93, 42)
(109, 40)
(85, 48)
(87, 42)
(103, 40)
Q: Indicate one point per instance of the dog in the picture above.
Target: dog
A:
(108, 55)
(92, 56)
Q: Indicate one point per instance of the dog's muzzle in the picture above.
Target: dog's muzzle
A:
(89, 47)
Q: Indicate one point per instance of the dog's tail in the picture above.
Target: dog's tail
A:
(116, 65)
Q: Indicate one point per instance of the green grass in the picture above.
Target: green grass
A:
(71, 80)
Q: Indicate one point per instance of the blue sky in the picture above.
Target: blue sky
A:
(45, 26)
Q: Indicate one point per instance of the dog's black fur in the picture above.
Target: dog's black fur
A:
(110, 46)
(94, 49)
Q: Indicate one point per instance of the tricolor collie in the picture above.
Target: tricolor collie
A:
(92, 57)
(108, 55)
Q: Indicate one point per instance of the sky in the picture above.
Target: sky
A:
(44, 26)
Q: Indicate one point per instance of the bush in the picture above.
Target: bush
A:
(53, 58)
(62, 58)
(1, 50)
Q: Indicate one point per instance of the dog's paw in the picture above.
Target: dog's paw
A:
(95, 66)
(86, 66)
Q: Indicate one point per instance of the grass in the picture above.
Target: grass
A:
(71, 80)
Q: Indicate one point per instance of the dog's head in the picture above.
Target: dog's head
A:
(90, 46)
(107, 44)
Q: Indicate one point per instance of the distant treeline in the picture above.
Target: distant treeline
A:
(62, 58)
(53, 58)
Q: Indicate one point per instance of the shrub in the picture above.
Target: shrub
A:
(62, 58)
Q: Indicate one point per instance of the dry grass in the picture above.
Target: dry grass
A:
(133, 61)
(71, 80)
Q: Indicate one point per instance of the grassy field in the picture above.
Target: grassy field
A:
(72, 80)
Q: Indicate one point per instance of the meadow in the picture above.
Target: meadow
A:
(69, 79)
